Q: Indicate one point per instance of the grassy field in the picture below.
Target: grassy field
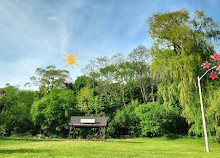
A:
(137, 147)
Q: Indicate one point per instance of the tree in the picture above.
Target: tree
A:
(50, 77)
(83, 98)
(180, 45)
(52, 112)
(155, 119)
(140, 59)
(91, 71)
(82, 81)
(126, 120)
(15, 117)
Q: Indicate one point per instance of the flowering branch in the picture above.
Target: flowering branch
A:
(207, 72)
(205, 65)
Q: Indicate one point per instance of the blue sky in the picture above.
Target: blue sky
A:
(37, 33)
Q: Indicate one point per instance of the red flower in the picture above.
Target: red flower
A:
(215, 57)
(206, 64)
(213, 75)
(218, 68)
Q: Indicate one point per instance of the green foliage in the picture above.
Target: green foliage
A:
(218, 132)
(125, 121)
(139, 64)
(49, 77)
(81, 82)
(181, 44)
(102, 105)
(212, 110)
(155, 119)
(83, 99)
(52, 112)
(15, 116)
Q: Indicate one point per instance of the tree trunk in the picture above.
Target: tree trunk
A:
(152, 89)
(123, 94)
(143, 90)
(142, 94)
(152, 92)
(145, 97)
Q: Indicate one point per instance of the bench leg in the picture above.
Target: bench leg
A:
(70, 131)
(103, 133)
(73, 133)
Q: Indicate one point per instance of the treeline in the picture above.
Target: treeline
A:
(147, 93)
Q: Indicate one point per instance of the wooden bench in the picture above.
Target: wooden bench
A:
(88, 122)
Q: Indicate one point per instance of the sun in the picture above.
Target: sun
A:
(71, 60)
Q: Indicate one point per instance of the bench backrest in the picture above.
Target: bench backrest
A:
(98, 120)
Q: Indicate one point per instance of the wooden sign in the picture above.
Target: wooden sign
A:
(87, 120)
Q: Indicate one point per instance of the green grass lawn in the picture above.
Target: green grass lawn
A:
(137, 147)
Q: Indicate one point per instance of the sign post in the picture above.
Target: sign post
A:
(203, 117)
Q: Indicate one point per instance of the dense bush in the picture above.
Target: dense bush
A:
(15, 117)
(52, 112)
(155, 119)
(125, 121)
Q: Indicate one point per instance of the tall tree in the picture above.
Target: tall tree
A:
(83, 98)
(140, 59)
(91, 70)
(49, 77)
(180, 45)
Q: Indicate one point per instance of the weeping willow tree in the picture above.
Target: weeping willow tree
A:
(213, 112)
(180, 45)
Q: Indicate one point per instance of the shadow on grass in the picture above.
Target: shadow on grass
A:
(173, 136)
(128, 141)
(11, 151)
(131, 142)
(29, 139)
(168, 137)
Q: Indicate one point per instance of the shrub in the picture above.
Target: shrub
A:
(125, 121)
(155, 119)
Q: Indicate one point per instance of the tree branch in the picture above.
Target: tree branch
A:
(207, 72)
